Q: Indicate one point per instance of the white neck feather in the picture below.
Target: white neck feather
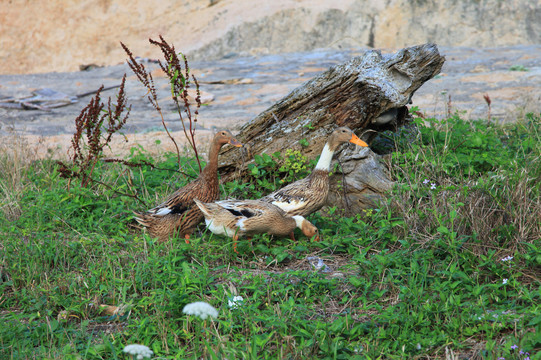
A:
(298, 220)
(325, 159)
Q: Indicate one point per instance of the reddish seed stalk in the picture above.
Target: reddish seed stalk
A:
(93, 116)
(90, 122)
(179, 79)
(145, 78)
(488, 101)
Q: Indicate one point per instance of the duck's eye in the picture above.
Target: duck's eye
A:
(223, 132)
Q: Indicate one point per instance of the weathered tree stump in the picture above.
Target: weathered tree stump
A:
(368, 94)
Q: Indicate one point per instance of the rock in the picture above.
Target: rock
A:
(467, 75)
(206, 30)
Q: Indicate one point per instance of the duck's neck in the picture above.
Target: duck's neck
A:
(212, 166)
(298, 221)
(288, 225)
(325, 159)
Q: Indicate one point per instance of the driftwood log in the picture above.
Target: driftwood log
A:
(368, 94)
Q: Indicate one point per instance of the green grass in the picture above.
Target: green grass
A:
(420, 277)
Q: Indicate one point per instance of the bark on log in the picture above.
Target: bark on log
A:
(368, 94)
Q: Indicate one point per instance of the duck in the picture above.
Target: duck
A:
(179, 214)
(308, 195)
(234, 218)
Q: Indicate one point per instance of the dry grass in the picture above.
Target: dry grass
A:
(16, 156)
(513, 204)
(500, 213)
(483, 213)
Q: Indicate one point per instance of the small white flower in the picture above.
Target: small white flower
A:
(432, 186)
(507, 258)
(201, 309)
(141, 351)
(426, 181)
(504, 281)
(418, 346)
(235, 302)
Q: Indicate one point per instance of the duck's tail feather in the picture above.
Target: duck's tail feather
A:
(142, 218)
(203, 207)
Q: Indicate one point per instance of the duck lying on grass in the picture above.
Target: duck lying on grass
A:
(308, 195)
(236, 218)
(178, 214)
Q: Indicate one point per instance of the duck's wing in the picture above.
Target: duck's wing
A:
(179, 202)
(291, 197)
(244, 208)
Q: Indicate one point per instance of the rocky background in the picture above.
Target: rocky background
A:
(247, 55)
(53, 35)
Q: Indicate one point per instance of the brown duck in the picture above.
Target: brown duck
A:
(179, 214)
(308, 195)
(235, 218)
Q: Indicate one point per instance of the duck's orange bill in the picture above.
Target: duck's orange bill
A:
(355, 139)
(235, 142)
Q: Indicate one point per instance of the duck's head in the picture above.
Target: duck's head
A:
(342, 135)
(307, 228)
(223, 137)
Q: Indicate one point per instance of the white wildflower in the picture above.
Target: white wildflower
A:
(432, 186)
(507, 258)
(235, 302)
(426, 181)
(418, 346)
(201, 309)
(504, 281)
(141, 351)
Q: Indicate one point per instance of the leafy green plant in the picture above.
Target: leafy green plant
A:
(518, 68)
(270, 172)
(309, 126)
